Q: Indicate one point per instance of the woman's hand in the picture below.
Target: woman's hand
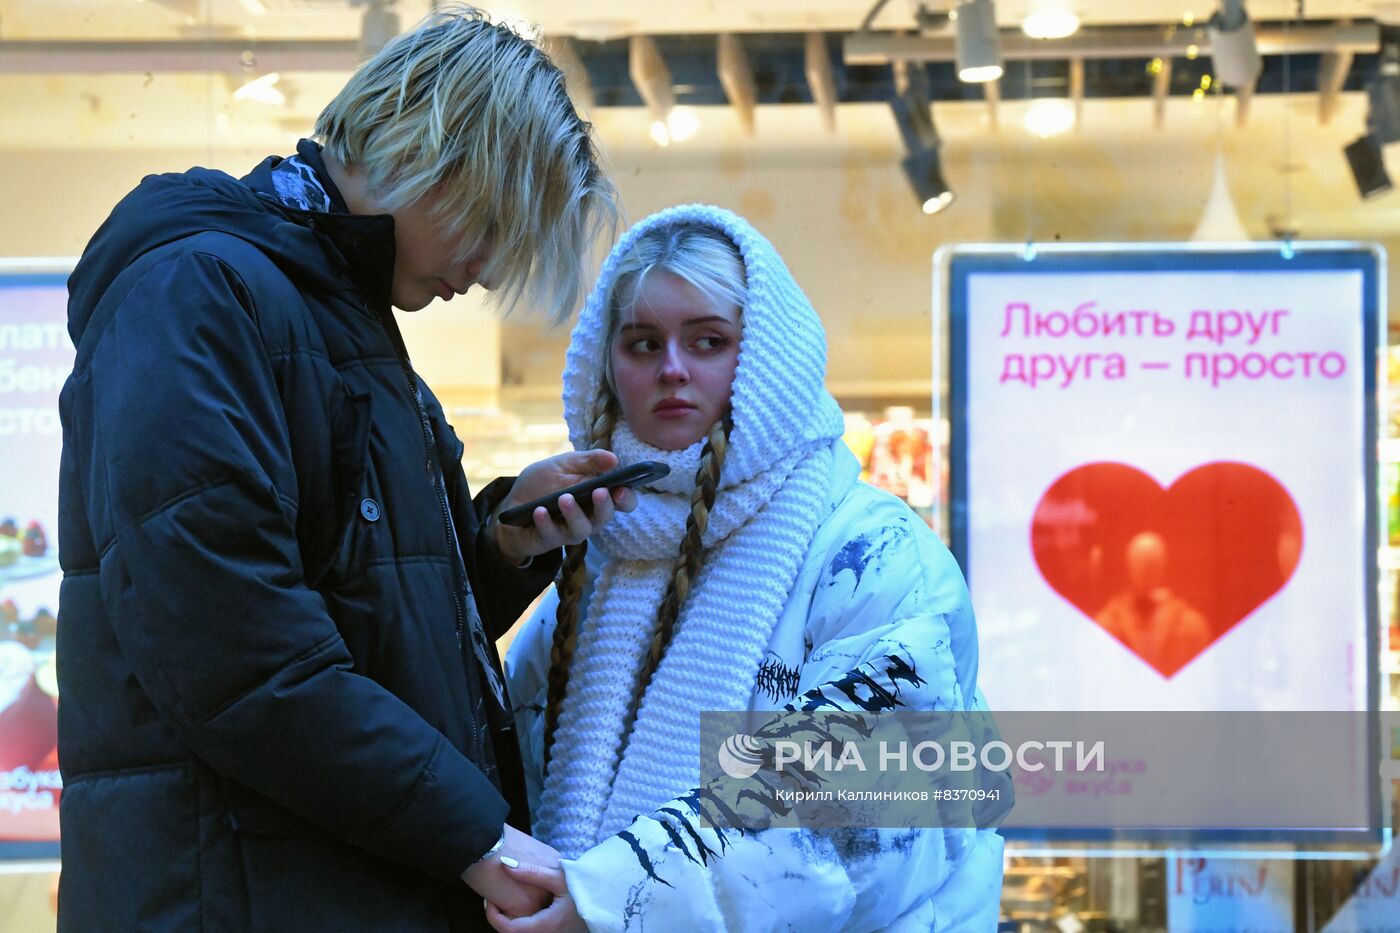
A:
(490, 879)
(559, 917)
(548, 476)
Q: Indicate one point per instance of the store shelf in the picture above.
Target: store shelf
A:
(1390, 769)
(1390, 558)
(1390, 450)
(1390, 662)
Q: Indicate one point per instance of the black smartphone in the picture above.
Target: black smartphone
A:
(635, 475)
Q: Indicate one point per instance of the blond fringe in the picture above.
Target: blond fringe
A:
(476, 118)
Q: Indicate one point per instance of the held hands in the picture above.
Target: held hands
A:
(517, 896)
(560, 916)
(550, 475)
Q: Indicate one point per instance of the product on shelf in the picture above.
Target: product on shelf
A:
(45, 623)
(901, 459)
(1392, 366)
(860, 438)
(35, 632)
(34, 543)
(1391, 617)
(14, 543)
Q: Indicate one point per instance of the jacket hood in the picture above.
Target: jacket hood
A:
(780, 403)
(314, 250)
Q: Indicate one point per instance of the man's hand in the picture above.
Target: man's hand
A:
(551, 475)
(490, 879)
(559, 917)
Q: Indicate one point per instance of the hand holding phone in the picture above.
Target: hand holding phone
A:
(522, 516)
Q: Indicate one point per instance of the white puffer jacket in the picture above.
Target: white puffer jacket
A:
(877, 590)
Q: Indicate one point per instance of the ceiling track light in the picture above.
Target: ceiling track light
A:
(262, 90)
(1050, 24)
(978, 41)
(923, 166)
(1361, 38)
(925, 173)
(1368, 167)
(1383, 96)
(1049, 116)
(1234, 50)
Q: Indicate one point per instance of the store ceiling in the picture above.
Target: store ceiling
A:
(163, 19)
(87, 98)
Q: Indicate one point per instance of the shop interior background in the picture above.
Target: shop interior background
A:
(94, 94)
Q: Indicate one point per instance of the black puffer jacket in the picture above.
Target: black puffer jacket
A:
(269, 719)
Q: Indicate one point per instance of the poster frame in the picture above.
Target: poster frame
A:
(953, 267)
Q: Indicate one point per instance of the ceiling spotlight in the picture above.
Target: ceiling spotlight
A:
(1232, 47)
(1049, 116)
(1368, 167)
(979, 43)
(925, 173)
(1050, 24)
(1383, 93)
(660, 133)
(682, 123)
(924, 165)
(262, 90)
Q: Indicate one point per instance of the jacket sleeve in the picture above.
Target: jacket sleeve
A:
(878, 627)
(192, 477)
(503, 590)
(527, 675)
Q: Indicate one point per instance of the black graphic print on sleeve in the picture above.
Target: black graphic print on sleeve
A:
(720, 814)
(642, 858)
(776, 679)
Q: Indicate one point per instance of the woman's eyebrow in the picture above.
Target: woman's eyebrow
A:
(688, 322)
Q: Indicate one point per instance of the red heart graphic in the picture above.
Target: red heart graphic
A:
(1166, 571)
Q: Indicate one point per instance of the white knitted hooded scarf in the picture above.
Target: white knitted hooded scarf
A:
(774, 491)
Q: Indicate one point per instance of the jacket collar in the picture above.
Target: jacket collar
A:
(362, 244)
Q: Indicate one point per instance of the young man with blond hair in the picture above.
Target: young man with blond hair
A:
(282, 705)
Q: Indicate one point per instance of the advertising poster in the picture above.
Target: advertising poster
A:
(1374, 906)
(1163, 468)
(35, 359)
(1229, 896)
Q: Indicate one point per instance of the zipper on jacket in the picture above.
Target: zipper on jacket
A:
(440, 485)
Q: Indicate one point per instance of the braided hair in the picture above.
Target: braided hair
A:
(572, 577)
(707, 259)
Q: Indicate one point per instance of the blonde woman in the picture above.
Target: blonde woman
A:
(282, 707)
(760, 574)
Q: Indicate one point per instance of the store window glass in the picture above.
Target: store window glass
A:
(853, 136)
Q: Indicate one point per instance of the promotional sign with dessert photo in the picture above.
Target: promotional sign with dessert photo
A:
(35, 358)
